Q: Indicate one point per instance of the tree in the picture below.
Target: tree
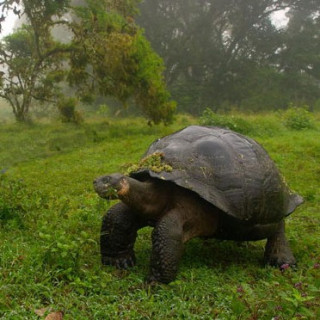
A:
(107, 54)
(31, 59)
(299, 59)
(29, 74)
(112, 57)
(212, 49)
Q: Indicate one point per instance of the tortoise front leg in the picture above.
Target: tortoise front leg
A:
(167, 248)
(118, 235)
(277, 250)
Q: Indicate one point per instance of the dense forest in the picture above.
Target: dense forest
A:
(222, 55)
(225, 53)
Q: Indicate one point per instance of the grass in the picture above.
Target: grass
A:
(50, 219)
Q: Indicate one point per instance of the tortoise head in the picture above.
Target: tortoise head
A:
(111, 186)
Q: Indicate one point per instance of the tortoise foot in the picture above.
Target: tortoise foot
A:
(281, 258)
(152, 280)
(277, 251)
(125, 261)
(156, 278)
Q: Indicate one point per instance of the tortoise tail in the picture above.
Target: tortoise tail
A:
(295, 200)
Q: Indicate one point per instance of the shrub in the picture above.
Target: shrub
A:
(209, 118)
(298, 118)
(67, 109)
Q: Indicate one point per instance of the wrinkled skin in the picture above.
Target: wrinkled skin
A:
(177, 215)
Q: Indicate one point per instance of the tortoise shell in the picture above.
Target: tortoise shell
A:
(227, 169)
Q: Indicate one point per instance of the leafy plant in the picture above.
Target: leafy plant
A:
(298, 118)
(62, 252)
(210, 118)
(67, 108)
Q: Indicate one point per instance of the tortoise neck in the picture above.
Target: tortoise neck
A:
(148, 198)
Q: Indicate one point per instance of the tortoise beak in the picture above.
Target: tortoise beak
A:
(104, 189)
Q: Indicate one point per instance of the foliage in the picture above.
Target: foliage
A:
(106, 54)
(34, 68)
(61, 252)
(294, 118)
(298, 118)
(52, 260)
(67, 108)
(209, 118)
(122, 63)
(232, 52)
(153, 162)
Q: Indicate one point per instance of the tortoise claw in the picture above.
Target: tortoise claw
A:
(121, 262)
(151, 280)
(283, 259)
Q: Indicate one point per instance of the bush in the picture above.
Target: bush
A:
(67, 109)
(209, 118)
(298, 118)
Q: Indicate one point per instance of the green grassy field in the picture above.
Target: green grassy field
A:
(50, 221)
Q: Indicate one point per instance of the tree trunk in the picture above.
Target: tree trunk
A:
(21, 116)
(21, 111)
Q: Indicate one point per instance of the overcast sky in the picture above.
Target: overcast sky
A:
(8, 24)
(279, 19)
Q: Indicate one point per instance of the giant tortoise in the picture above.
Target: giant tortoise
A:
(198, 182)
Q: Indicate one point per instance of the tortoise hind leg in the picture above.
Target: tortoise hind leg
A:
(118, 235)
(277, 250)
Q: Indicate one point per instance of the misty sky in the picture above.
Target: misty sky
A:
(279, 19)
(8, 24)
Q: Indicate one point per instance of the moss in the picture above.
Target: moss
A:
(153, 162)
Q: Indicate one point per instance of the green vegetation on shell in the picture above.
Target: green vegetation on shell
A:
(153, 162)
